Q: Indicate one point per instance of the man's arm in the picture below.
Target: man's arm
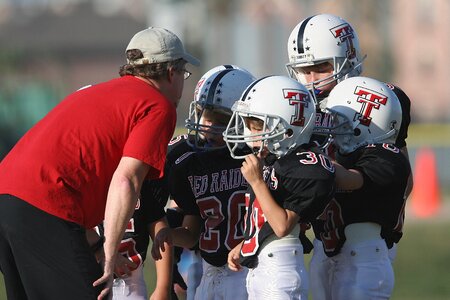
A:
(122, 197)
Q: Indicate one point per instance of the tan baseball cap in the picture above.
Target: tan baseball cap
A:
(159, 45)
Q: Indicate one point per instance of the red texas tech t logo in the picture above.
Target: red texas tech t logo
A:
(198, 86)
(299, 100)
(369, 100)
(344, 33)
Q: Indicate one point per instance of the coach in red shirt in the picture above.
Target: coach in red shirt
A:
(84, 162)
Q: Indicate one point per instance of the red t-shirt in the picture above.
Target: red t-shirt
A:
(64, 164)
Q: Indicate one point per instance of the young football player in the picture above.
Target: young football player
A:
(208, 186)
(372, 178)
(290, 181)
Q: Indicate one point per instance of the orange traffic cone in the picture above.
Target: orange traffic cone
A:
(425, 196)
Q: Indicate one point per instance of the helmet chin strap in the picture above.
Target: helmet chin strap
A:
(318, 95)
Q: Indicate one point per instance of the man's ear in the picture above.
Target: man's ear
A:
(170, 74)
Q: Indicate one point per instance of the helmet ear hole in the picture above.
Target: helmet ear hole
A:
(289, 132)
(356, 132)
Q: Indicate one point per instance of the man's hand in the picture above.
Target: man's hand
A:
(124, 266)
(106, 279)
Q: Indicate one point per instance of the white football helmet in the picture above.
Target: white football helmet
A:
(217, 90)
(324, 38)
(364, 111)
(286, 108)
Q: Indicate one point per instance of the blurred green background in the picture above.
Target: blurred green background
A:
(49, 48)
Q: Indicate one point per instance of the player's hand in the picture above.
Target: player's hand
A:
(162, 240)
(233, 258)
(124, 266)
(106, 279)
(252, 169)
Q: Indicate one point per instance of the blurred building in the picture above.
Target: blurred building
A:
(421, 55)
(51, 48)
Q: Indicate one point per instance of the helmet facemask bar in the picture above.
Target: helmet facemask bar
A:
(343, 66)
(346, 134)
(340, 125)
(341, 131)
(237, 135)
(344, 70)
(197, 129)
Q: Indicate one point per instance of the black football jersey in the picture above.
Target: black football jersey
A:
(156, 191)
(135, 241)
(325, 142)
(380, 200)
(177, 148)
(301, 181)
(323, 120)
(210, 185)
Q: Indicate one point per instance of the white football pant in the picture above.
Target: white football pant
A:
(280, 274)
(221, 283)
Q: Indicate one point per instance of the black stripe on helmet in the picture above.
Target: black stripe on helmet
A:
(212, 88)
(249, 88)
(301, 32)
(228, 66)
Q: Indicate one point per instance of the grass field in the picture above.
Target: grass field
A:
(422, 266)
(423, 262)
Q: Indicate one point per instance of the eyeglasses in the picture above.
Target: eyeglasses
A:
(187, 74)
